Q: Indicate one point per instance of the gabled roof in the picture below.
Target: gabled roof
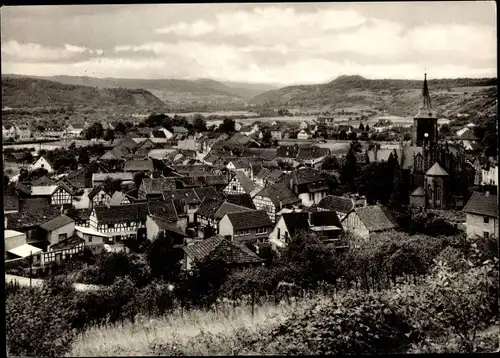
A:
(43, 181)
(24, 188)
(437, 170)
(187, 196)
(279, 194)
(168, 225)
(96, 190)
(164, 209)
(68, 243)
(206, 192)
(179, 130)
(307, 176)
(296, 222)
(57, 223)
(249, 219)
(157, 185)
(241, 200)
(376, 218)
(138, 165)
(227, 207)
(482, 204)
(117, 198)
(26, 218)
(325, 218)
(217, 208)
(122, 213)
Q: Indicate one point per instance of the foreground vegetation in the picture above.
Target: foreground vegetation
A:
(395, 294)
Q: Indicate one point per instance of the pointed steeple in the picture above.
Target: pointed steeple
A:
(426, 104)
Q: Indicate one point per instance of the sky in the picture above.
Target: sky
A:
(282, 43)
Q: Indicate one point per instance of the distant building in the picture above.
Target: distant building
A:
(482, 215)
(247, 226)
(42, 162)
(364, 221)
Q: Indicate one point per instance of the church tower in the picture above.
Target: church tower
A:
(425, 123)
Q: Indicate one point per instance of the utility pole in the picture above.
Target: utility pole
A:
(31, 266)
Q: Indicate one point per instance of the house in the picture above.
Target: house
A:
(42, 162)
(179, 130)
(160, 132)
(309, 185)
(482, 215)
(210, 212)
(100, 178)
(154, 188)
(241, 200)
(74, 130)
(63, 250)
(58, 229)
(276, 132)
(342, 206)
(94, 240)
(53, 132)
(23, 132)
(232, 254)
(304, 134)
(135, 166)
(325, 223)
(8, 131)
(312, 156)
(120, 222)
(81, 217)
(273, 198)
(98, 196)
(169, 211)
(303, 125)
(239, 184)
(24, 251)
(188, 143)
(155, 225)
(119, 198)
(13, 239)
(268, 176)
(57, 194)
(187, 198)
(364, 221)
(29, 219)
(246, 226)
(207, 192)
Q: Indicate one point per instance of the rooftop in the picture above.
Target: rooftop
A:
(57, 223)
(249, 219)
(482, 204)
(25, 250)
(376, 218)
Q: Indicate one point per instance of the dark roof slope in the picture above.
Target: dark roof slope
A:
(245, 182)
(241, 200)
(126, 212)
(376, 218)
(206, 192)
(10, 202)
(68, 243)
(279, 194)
(31, 217)
(209, 207)
(249, 219)
(57, 223)
(157, 185)
(481, 204)
(138, 165)
(187, 196)
(325, 218)
(164, 209)
(336, 203)
(43, 181)
(296, 222)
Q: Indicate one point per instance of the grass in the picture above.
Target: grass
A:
(195, 332)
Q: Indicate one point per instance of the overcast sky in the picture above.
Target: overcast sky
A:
(273, 43)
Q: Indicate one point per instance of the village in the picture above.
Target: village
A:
(237, 188)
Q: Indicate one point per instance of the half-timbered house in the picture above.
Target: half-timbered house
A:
(274, 198)
(119, 198)
(57, 194)
(239, 184)
(120, 222)
(98, 196)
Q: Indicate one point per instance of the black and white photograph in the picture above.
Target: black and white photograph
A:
(217, 179)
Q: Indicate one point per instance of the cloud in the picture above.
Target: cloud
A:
(31, 51)
(194, 29)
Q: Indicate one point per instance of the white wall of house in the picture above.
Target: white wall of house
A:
(302, 135)
(14, 241)
(264, 203)
(60, 197)
(68, 230)
(477, 225)
(279, 232)
(226, 227)
(101, 198)
(83, 201)
(152, 228)
(42, 163)
(309, 199)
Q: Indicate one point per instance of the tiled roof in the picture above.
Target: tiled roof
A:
(31, 217)
(79, 214)
(125, 212)
(188, 196)
(287, 151)
(279, 193)
(376, 218)
(313, 152)
(336, 203)
(24, 188)
(163, 209)
(249, 219)
(306, 176)
(209, 207)
(95, 190)
(138, 165)
(25, 250)
(227, 207)
(296, 222)
(157, 185)
(245, 182)
(68, 243)
(437, 170)
(57, 223)
(207, 192)
(241, 200)
(481, 204)
(10, 202)
(198, 251)
(168, 225)
(193, 169)
(34, 203)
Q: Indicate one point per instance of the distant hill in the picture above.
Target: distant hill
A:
(398, 97)
(25, 92)
(172, 90)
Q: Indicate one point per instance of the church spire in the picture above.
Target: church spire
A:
(426, 105)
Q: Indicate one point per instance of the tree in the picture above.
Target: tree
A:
(367, 128)
(445, 130)
(109, 135)
(350, 169)
(83, 157)
(352, 136)
(199, 123)
(363, 136)
(6, 180)
(94, 131)
(227, 126)
(267, 137)
(361, 126)
(330, 163)
(164, 259)
(111, 185)
(120, 127)
(342, 135)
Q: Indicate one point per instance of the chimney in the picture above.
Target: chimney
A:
(281, 204)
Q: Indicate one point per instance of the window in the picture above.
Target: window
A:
(234, 187)
(486, 220)
(247, 232)
(111, 226)
(90, 238)
(62, 236)
(261, 230)
(486, 234)
(279, 234)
